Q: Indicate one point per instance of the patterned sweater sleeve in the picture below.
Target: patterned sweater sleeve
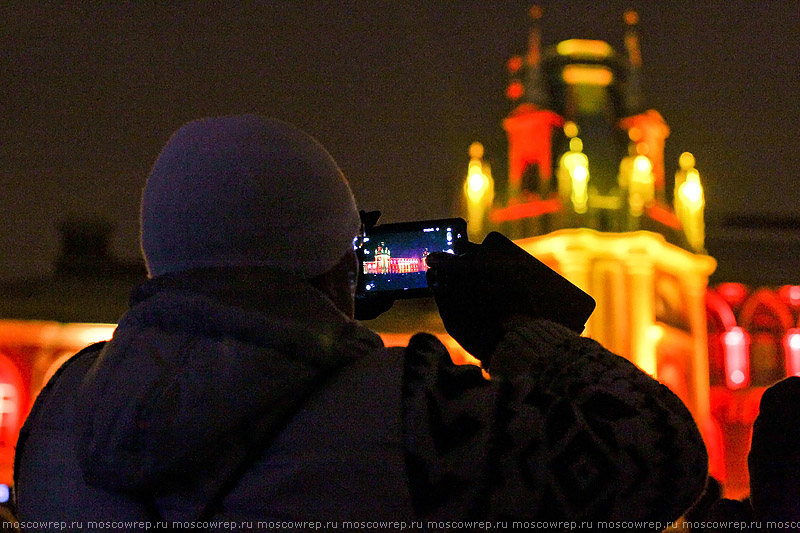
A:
(564, 430)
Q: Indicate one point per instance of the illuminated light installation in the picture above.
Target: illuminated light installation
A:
(589, 75)
(737, 358)
(586, 85)
(515, 90)
(9, 413)
(518, 211)
(573, 174)
(633, 94)
(641, 192)
(12, 391)
(530, 131)
(754, 333)
(690, 201)
(530, 126)
(791, 346)
(733, 293)
(13, 409)
(649, 129)
(791, 295)
(570, 129)
(514, 64)
(606, 221)
(583, 48)
(622, 272)
(479, 190)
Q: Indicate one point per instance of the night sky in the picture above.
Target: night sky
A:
(395, 90)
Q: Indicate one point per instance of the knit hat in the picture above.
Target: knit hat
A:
(246, 191)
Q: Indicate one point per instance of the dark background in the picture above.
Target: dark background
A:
(396, 90)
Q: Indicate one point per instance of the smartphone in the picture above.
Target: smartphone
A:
(539, 291)
(393, 256)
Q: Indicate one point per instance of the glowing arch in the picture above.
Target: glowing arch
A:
(718, 307)
(767, 299)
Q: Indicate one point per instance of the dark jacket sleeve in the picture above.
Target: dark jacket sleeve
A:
(563, 430)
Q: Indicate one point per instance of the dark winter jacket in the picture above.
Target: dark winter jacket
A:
(252, 398)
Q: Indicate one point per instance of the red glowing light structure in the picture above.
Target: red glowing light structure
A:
(737, 358)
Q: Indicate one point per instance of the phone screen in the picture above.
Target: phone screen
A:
(394, 256)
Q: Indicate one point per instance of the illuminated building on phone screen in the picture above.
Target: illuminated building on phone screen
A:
(384, 263)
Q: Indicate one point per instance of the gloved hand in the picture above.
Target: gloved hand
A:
(477, 292)
(368, 308)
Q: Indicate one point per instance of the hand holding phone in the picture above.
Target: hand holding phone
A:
(476, 292)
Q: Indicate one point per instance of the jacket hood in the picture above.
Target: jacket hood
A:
(202, 370)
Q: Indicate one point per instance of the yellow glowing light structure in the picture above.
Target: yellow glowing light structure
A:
(573, 176)
(691, 191)
(686, 160)
(584, 48)
(580, 195)
(587, 75)
(641, 192)
(649, 347)
(479, 190)
(570, 129)
(690, 201)
(621, 272)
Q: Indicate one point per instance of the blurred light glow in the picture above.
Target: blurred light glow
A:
(790, 294)
(655, 333)
(570, 130)
(733, 293)
(692, 192)
(794, 294)
(737, 358)
(83, 334)
(587, 75)
(580, 189)
(514, 64)
(584, 48)
(479, 190)
(477, 183)
(515, 90)
(642, 164)
(791, 347)
(686, 160)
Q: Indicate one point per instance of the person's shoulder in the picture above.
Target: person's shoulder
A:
(56, 397)
(75, 366)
